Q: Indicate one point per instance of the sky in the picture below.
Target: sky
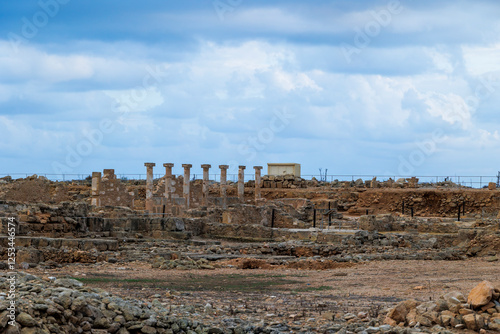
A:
(354, 87)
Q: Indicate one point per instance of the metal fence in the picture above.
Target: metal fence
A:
(466, 181)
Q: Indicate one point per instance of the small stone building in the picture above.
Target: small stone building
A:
(277, 169)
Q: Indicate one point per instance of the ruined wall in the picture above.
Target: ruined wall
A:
(387, 223)
(282, 181)
(77, 220)
(38, 189)
(112, 192)
(356, 198)
(428, 202)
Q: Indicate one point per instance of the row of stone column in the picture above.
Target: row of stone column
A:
(186, 186)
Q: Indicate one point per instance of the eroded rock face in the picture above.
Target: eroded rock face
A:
(481, 294)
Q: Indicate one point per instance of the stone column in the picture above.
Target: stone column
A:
(257, 182)
(186, 188)
(109, 174)
(204, 198)
(168, 182)
(241, 183)
(223, 180)
(96, 185)
(149, 185)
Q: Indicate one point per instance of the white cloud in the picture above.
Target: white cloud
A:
(216, 92)
(442, 61)
(449, 107)
(139, 99)
(482, 59)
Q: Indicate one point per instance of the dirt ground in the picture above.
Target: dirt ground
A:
(291, 293)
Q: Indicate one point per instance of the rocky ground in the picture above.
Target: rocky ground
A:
(94, 272)
(134, 298)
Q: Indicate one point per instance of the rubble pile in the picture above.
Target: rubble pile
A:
(66, 306)
(181, 264)
(283, 181)
(480, 310)
(37, 188)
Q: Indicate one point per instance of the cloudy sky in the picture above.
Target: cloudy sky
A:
(355, 87)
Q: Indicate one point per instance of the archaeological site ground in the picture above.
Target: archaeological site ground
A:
(274, 254)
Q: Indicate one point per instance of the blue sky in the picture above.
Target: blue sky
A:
(357, 87)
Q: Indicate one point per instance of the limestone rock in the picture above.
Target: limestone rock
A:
(25, 320)
(481, 294)
(494, 325)
(68, 283)
(33, 330)
(401, 310)
(4, 319)
(473, 321)
(427, 307)
(454, 299)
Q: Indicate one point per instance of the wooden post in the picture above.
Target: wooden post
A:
(272, 223)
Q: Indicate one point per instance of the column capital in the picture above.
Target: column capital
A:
(169, 165)
(242, 167)
(257, 167)
(187, 165)
(96, 174)
(149, 164)
(206, 166)
(224, 166)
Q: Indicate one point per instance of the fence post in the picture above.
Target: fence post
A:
(272, 222)
(314, 218)
(329, 215)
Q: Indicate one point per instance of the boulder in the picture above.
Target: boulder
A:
(473, 322)
(427, 307)
(68, 283)
(399, 313)
(25, 320)
(454, 298)
(481, 294)
(494, 325)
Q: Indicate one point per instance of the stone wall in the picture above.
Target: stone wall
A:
(282, 181)
(387, 223)
(112, 192)
(76, 220)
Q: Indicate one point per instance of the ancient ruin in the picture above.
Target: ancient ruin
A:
(271, 254)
